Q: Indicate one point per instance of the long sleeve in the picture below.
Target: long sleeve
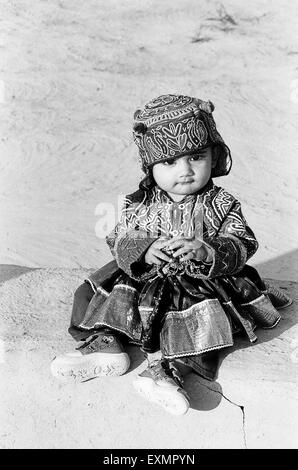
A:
(128, 243)
(230, 249)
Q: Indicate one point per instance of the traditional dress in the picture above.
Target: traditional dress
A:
(190, 310)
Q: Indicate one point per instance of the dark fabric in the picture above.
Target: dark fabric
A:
(245, 299)
(81, 300)
(205, 364)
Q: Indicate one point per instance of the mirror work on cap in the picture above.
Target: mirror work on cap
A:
(171, 126)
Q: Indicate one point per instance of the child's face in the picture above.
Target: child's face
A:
(184, 175)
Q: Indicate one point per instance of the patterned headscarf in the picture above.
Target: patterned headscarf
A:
(171, 126)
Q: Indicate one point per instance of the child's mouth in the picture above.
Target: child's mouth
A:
(186, 181)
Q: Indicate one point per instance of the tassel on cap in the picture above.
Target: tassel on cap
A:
(137, 113)
(140, 128)
(206, 106)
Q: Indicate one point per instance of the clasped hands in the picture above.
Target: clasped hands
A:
(182, 247)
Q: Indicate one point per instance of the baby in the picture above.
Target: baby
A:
(179, 286)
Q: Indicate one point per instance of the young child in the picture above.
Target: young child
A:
(179, 286)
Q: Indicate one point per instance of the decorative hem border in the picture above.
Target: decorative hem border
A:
(286, 305)
(195, 353)
(91, 284)
(252, 302)
(187, 310)
(269, 327)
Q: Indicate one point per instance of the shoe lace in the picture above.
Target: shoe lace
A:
(87, 342)
(104, 339)
(165, 368)
(175, 373)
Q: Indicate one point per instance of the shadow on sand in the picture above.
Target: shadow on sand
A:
(11, 271)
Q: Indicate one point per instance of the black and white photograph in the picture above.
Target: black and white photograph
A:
(148, 213)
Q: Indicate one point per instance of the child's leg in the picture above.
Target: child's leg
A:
(81, 300)
(101, 353)
(206, 364)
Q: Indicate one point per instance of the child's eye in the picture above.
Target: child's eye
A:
(198, 156)
(170, 162)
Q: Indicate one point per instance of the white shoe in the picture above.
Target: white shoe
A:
(103, 355)
(159, 385)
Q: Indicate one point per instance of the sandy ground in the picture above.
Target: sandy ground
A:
(71, 76)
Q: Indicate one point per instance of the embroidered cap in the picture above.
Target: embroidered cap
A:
(171, 126)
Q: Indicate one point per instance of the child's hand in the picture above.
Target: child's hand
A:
(154, 255)
(188, 248)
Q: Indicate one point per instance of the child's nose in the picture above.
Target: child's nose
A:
(185, 167)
